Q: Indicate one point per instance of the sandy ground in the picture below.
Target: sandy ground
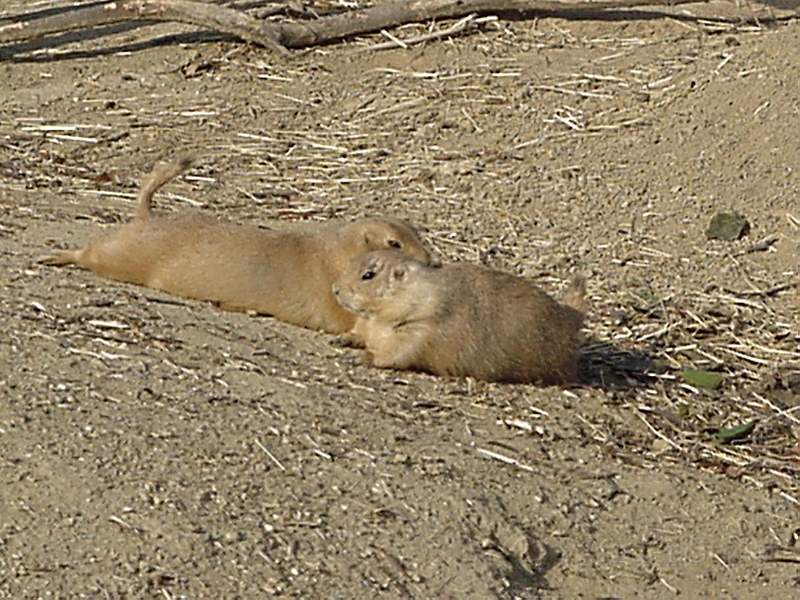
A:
(154, 447)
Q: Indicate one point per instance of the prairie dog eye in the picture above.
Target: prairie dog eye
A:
(395, 244)
(366, 275)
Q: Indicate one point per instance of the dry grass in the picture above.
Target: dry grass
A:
(727, 333)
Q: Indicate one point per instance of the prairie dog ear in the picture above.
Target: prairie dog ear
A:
(376, 241)
(372, 238)
(401, 271)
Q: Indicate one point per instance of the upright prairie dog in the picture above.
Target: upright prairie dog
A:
(461, 319)
(286, 275)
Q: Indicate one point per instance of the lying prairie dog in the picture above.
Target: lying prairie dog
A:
(286, 275)
(461, 319)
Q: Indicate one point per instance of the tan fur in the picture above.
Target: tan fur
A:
(286, 275)
(460, 319)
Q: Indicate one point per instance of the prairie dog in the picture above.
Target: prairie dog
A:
(286, 275)
(460, 319)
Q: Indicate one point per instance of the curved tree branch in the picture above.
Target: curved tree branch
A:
(218, 18)
(278, 36)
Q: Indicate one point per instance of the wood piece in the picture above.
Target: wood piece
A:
(211, 16)
(280, 36)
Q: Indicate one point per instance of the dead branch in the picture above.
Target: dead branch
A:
(218, 18)
(400, 12)
(278, 36)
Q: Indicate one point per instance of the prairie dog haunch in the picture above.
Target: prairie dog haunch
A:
(284, 274)
(461, 320)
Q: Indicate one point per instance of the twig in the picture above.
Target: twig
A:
(272, 456)
(655, 431)
(125, 525)
(506, 459)
(778, 411)
(761, 245)
(769, 292)
(467, 22)
(393, 39)
(666, 584)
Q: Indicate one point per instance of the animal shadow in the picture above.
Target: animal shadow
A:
(605, 365)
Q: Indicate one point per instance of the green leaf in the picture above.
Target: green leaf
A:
(702, 379)
(724, 436)
(727, 226)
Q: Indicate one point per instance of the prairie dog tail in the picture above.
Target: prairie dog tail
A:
(160, 175)
(575, 295)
